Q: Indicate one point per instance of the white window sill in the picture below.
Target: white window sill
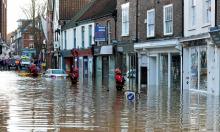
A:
(152, 36)
(125, 35)
(168, 34)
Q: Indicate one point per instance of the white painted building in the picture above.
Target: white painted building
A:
(80, 37)
(200, 56)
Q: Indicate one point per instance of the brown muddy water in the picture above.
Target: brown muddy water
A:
(48, 105)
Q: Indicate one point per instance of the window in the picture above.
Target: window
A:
(65, 41)
(90, 35)
(125, 19)
(168, 19)
(151, 23)
(83, 36)
(31, 37)
(207, 11)
(74, 38)
(109, 31)
(31, 45)
(193, 13)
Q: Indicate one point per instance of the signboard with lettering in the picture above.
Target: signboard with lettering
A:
(100, 33)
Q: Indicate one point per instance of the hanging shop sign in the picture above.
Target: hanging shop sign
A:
(100, 33)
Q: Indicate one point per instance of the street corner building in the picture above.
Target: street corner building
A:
(200, 53)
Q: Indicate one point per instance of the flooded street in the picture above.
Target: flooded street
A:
(48, 105)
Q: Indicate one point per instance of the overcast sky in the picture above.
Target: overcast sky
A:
(15, 13)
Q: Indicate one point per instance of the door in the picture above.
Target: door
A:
(105, 70)
(144, 78)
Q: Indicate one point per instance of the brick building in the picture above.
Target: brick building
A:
(159, 57)
(3, 19)
(127, 35)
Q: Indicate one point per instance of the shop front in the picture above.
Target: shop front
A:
(159, 64)
(67, 60)
(201, 66)
(105, 63)
(83, 60)
(126, 60)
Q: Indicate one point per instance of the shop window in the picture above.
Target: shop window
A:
(203, 69)
(194, 68)
(199, 68)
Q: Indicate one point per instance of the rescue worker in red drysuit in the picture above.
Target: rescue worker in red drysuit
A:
(119, 79)
(74, 75)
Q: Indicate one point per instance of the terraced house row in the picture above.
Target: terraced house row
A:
(168, 43)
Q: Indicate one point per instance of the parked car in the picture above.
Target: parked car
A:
(55, 73)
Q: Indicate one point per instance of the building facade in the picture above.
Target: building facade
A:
(159, 52)
(127, 35)
(104, 47)
(3, 19)
(200, 54)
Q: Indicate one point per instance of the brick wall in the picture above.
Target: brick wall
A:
(218, 12)
(145, 5)
(103, 21)
(132, 21)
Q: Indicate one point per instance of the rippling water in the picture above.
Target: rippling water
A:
(44, 105)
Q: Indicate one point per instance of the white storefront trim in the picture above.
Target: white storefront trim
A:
(157, 44)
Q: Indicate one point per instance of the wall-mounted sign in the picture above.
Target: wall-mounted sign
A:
(215, 34)
(100, 33)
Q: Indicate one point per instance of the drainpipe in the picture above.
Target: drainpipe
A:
(182, 47)
(136, 40)
(216, 12)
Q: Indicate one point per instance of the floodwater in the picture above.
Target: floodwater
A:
(47, 105)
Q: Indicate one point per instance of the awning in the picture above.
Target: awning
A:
(157, 44)
(66, 53)
(106, 50)
(103, 50)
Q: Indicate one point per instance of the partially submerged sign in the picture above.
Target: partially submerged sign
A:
(130, 96)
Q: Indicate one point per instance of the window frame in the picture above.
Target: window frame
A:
(90, 35)
(74, 37)
(148, 25)
(125, 23)
(83, 36)
(109, 32)
(207, 10)
(164, 21)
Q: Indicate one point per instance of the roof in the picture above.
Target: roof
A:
(94, 10)
(100, 8)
